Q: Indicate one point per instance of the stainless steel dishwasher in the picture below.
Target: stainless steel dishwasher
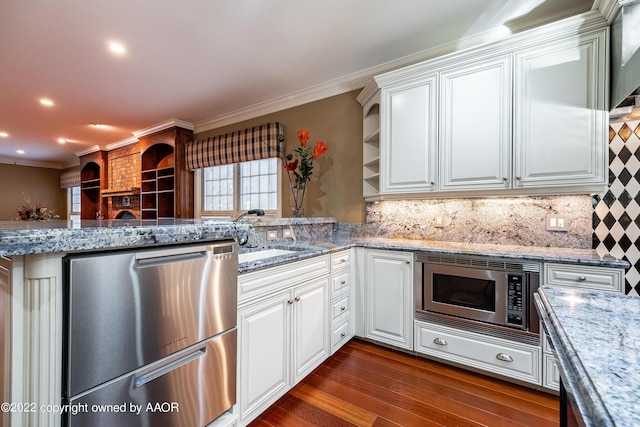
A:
(150, 336)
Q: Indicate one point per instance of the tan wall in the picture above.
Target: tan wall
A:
(336, 184)
(41, 185)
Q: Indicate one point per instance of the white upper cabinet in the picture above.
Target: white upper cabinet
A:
(475, 125)
(409, 137)
(560, 113)
(525, 115)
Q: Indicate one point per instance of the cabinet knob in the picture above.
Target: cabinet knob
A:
(505, 179)
(290, 301)
(343, 260)
(343, 308)
(432, 183)
(439, 341)
(297, 299)
(407, 262)
(342, 335)
(343, 282)
(504, 357)
(582, 278)
(518, 178)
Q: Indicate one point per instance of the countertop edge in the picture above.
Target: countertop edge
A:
(573, 373)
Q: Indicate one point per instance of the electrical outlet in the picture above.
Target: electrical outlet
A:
(440, 219)
(272, 234)
(556, 223)
(287, 233)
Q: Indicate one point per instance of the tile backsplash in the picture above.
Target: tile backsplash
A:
(508, 221)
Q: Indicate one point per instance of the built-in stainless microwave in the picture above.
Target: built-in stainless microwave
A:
(490, 290)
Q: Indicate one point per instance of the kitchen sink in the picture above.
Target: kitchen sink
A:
(262, 254)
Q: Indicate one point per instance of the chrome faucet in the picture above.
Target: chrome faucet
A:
(258, 212)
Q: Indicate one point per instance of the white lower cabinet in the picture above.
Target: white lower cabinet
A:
(342, 295)
(478, 351)
(282, 337)
(388, 294)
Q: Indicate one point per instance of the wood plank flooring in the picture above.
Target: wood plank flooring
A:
(368, 385)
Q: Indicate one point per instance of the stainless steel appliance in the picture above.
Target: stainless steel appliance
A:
(488, 291)
(151, 336)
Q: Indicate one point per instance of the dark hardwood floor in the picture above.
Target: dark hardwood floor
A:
(368, 385)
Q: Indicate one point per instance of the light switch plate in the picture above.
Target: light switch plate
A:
(439, 220)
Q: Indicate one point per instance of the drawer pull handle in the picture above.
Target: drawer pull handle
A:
(343, 282)
(343, 260)
(343, 308)
(582, 278)
(504, 357)
(439, 341)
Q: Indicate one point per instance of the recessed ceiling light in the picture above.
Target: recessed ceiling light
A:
(46, 102)
(3, 135)
(61, 140)
(20, 151)
(117, 48)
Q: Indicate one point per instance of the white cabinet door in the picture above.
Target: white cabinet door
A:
(264, 338)
(560, 113)
(389, 297)
(475, 125)
(311, 326)
(409, 137)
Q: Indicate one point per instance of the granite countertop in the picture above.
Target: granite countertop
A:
(31, 237)
(596, 336)
(38, 237)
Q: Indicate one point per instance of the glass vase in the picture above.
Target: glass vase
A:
(298, 200)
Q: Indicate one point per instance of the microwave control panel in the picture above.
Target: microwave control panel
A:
(516, 300)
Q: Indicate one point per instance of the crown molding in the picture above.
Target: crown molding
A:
(163, 126)
(608, 8)
(92, 149)
(33, 163)
(121, 143)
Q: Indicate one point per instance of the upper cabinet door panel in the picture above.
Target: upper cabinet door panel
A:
(560, 113)
(475, 125)
(409, 138)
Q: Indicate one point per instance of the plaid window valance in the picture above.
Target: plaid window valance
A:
(70, 179)
(260, 142)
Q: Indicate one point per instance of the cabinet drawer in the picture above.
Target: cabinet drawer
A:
(340, 335)
(340, 283)
(264, 282)
(340, 308)
(340, 260)
(576, 276)
(494, 355)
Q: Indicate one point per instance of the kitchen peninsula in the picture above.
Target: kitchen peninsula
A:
(31, 252)
(596, 338)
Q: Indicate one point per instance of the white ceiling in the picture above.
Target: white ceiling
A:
(205, 61)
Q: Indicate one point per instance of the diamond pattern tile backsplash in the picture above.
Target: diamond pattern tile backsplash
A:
(616, 215)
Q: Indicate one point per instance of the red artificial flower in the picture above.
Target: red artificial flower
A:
(303, 137)
(291, 166)
(319, 149)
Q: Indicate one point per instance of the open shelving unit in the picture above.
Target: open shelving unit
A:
(371, 142)
(158, 182)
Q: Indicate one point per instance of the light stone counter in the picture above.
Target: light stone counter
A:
(596, 336)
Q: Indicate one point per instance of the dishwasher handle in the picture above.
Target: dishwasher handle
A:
(169, 365)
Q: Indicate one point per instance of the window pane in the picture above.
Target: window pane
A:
(218, 188)
(259, 184)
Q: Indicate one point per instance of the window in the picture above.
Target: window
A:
(228, 190)
(73, 200)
